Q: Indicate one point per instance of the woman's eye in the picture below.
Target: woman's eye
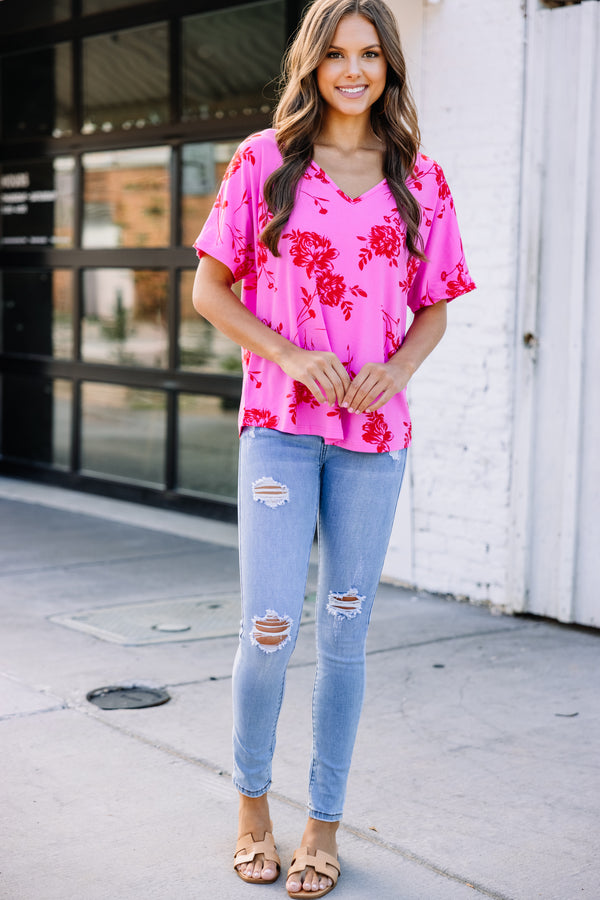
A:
(371, 54)
(334, 54)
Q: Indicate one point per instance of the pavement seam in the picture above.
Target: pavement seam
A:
(96, 562)
(288, 801)
(444, 639)
(305, 665)
(34, 712)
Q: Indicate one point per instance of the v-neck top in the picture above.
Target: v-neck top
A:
(342, 283)
(322, 175)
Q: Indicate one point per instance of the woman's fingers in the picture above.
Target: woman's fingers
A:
(375, 384)
(321, 372)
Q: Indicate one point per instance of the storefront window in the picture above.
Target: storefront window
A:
(125, 317)
(208, 446)
(126, 198)
(43, 103)
(203, 167)
(36, 419)
(201, 347)
(123, 433)
(38, 203)
(125, 79)
(228, 58)
(37, 308)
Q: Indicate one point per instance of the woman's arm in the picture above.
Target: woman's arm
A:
(321, 371)
(376, 383)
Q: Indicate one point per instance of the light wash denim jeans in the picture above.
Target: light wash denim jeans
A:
(288, 484)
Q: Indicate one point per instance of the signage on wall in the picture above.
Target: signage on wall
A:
(36, 204)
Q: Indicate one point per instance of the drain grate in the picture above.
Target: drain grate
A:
(180, 619)
(134, 696)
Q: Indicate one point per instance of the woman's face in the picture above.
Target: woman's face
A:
(352, 75)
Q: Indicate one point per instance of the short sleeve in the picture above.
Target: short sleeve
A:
(444, 275)
(228, 233)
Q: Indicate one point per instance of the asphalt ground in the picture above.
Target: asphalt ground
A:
(477, 766)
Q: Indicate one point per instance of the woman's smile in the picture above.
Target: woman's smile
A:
(357, 91)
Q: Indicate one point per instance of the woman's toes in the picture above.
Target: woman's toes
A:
(294, 884)
(311, 881)
(257, 870)
(269, 871)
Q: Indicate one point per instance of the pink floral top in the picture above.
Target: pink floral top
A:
(342, 283)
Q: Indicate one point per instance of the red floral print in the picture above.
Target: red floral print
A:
(263, 418)
(330, 287)
(412, 267)
(306, 312)
(393, 335)
(459, 285)
(319, 202)
(240, 155)
(262, 258)
(300, 394)
(314, 252)
(384, 241)
(311, 250)
(376, 431)
(443, 189)
(318, 174)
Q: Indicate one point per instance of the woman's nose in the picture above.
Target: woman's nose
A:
(352, 66)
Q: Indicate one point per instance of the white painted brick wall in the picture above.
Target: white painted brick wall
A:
(471, 88)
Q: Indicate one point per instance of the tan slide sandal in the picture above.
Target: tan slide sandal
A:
(246, 851)
(322, 863)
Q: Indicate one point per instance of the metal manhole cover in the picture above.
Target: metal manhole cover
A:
(131, 697)
(179, 619)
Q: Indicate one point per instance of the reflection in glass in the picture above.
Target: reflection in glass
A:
(126, 198)
(201, 347)
(37, 307)
(15, 16)
(229, 59)
(125, 79)
(125, 317)
(94, 6)
(208, 446)
(203, 167)
(37, 93)
(38, 203)
(36, 419)
(123, 433)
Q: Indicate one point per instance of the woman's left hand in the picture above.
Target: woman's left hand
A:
(375, 384)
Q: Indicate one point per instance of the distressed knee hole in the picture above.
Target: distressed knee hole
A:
(270, 632)
(346, 606)
(270, 492)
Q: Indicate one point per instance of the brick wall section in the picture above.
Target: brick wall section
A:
(461, 400)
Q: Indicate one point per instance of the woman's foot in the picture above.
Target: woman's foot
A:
(317, 836)
(254, 819)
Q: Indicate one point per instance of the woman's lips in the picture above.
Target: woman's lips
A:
(354, 91)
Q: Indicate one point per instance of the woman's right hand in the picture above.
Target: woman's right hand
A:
(319, 370)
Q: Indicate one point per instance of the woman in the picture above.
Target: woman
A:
(335, 223)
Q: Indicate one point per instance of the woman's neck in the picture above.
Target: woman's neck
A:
(347, 134)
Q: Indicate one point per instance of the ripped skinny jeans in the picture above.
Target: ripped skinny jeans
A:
(287, 485)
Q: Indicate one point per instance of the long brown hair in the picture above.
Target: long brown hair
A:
(299, 115)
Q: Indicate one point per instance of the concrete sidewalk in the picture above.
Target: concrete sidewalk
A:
(476, 771)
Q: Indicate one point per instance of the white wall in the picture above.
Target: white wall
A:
(470, 88)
